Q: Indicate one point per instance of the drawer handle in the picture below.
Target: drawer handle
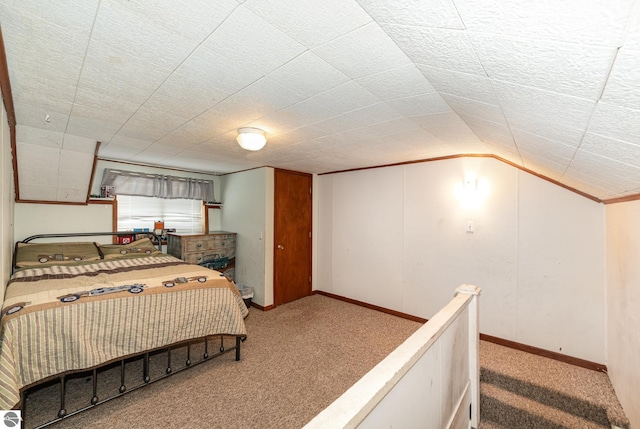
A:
(199, 258)
(199, 245)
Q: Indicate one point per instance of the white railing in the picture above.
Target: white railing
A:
(431, 381)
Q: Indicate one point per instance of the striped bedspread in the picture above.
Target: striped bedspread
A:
(71, 317)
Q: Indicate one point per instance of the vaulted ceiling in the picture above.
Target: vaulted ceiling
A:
(552, 86)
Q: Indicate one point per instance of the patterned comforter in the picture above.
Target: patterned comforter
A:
(70, 317)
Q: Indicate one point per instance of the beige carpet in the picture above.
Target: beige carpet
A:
(522, 390)
(297, 359)
(301, 356)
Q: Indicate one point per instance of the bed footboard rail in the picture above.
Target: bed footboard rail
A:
(211, 347)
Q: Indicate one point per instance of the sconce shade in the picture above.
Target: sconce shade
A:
(251, 138)
(472, 191)
(470, 182)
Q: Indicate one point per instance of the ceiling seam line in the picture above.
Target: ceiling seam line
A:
(427, 79)
(455, 7)
(593, 111)
(231, 95)
(350, 31)
(493, 90)
(635, 9)
(584, 133)
(174, 71)
(262, 77)
(338, 114)
(84, 58)
(606, 80)
(75, 93)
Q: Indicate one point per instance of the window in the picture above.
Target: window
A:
(141, 212)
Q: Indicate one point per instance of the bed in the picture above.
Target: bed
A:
(76, 306)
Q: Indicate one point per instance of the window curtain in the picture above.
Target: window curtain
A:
(157, 185)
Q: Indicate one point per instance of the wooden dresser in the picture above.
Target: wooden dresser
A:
(215, 250)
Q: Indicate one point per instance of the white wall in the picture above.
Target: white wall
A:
(215, 219)
(561, 303)
(395, 237)
(441, 254)
(53, 166)
(7, 201)
(247, 209)
(32, 219)
(623, 304)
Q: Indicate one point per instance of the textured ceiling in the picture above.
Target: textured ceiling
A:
(553, 86)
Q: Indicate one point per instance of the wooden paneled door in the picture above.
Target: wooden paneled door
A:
(292, 236)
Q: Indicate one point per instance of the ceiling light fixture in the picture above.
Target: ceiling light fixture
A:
(251, 138)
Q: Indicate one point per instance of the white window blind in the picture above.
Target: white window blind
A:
(141, 212)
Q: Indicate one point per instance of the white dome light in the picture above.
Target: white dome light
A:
(251, 138)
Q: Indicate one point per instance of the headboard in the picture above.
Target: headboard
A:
(155, 239)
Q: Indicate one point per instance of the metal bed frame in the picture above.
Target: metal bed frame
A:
(93, 373)
(94, 401)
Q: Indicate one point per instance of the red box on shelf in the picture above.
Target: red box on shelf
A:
(125, 239)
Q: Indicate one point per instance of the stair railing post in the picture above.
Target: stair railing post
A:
(474, 350)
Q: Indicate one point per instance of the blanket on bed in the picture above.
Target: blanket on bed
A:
(63, 318)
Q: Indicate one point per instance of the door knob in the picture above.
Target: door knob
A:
(280, 247)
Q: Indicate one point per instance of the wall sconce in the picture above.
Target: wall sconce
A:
(251, 138)
(472, 192)
(470, 183)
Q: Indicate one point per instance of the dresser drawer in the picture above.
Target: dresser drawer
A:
(224, 241)
(201, 257)
(199, 244)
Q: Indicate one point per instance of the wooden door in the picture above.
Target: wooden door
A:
(292, 236)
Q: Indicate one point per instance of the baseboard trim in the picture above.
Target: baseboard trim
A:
(545, 353)
(374, 307)
(259, 307)
(489, 338)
